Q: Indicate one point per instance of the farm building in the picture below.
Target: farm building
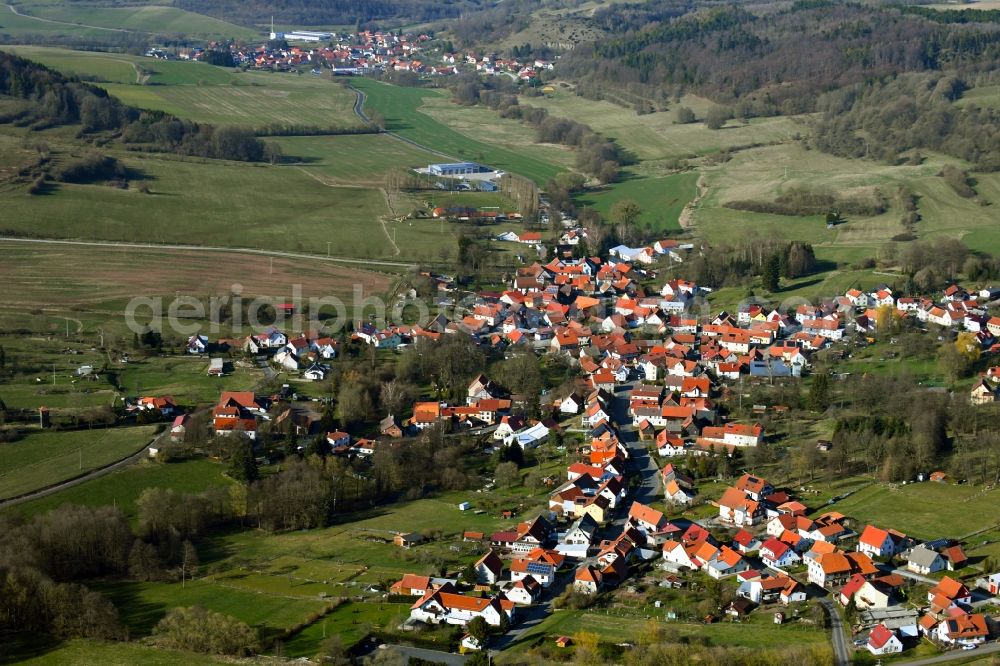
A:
(302, 36)
(457, 169)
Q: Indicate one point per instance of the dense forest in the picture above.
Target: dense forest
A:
(54, 100)
(777, 59)
(906, 113)
(327, 12)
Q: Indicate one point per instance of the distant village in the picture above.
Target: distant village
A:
(365, 52)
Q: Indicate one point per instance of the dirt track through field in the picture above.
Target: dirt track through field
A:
(75, 25)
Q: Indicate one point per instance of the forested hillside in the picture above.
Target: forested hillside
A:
(780, 59)
(327, 12)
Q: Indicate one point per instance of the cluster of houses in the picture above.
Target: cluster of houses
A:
(358, 53)
(946, 615)
(525, 70)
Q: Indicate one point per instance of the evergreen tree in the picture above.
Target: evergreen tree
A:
(243, 465)
(771, 276)
(819, 393)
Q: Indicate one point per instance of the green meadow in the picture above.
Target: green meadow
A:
(41, 459)
(53, 16)
(400, 107)
(122, 487)
(661, 199)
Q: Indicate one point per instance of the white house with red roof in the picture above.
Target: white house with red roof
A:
(524, 592)
(778, 554)
(883, 640)
(969, 629)
(449, 607)
(745, 542)
(877, 542)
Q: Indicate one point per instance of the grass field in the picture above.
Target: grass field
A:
(763, 173)
(43, 458)
(478, 122)
(361, 159)
(142, 605)
(229, 204)
(105, 66)
(923, 510)
(350, 621)
(76, 277)
(39, 651)
(661, 199)
(208, 94)
(657, 136)
(251, 99)
(631, 627)
(158, 72)
(44, 15)
(123, 487)
(401, 109)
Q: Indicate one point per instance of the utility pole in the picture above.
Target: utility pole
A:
(328, 249)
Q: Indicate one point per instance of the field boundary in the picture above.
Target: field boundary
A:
(209, 248)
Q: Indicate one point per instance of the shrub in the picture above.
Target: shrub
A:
(200, 630)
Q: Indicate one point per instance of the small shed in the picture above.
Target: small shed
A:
(564, 641)
(464, 506)
(407, 540)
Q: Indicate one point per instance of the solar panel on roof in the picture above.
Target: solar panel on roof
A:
(538, 568)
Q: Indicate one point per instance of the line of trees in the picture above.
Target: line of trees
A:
(809, 201)
(734, 265)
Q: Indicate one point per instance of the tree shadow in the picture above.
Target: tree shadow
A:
(139, 615)
(22, 646)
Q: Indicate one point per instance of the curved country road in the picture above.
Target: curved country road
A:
(359, 105)
(89, 476)
(210, 248)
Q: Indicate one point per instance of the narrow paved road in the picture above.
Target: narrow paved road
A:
(210, 248)
(642, 463)
(531, 616)
(841, 651)
(359, 106)
(89, 476)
